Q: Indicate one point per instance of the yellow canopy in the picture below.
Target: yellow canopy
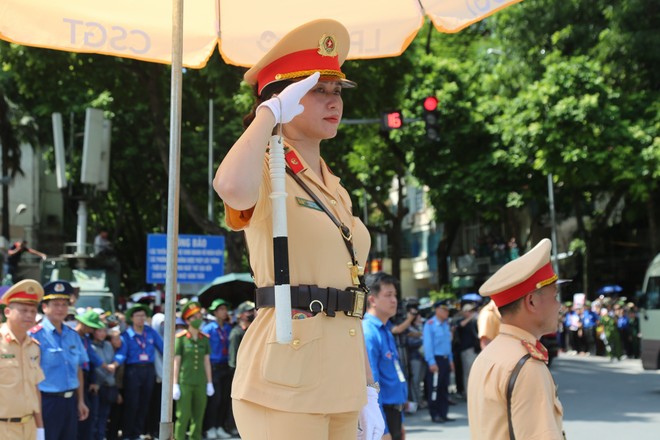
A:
(243, 29)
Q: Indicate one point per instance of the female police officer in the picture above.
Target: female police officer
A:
(313, 387)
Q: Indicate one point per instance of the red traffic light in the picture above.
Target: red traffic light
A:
(430, 103)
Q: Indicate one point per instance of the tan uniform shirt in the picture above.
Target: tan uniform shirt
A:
(322, 370)
(19, 375)
(535, 407)
(488, 322)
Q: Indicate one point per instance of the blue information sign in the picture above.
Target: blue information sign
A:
(200, 258)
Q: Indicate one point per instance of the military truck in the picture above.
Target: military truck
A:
(97, 277)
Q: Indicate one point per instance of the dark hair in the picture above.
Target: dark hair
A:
(511, 308)
(266, 94)
(375, 281)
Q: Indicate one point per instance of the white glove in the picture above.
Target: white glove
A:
(41, 434)
(176, 391)
(371, 425)
(209, 389)
(286, 105)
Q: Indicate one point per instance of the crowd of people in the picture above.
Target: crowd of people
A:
(447, 338)
(102, 371)
(414, 351)
(607, 326)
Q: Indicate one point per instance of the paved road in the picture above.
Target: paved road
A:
(602, 401)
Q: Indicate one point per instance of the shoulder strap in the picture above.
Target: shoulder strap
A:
(343, 229)
(509, 391)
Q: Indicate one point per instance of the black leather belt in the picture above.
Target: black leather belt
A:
(65, 394)
(352, 301)
(23, 419)
(398, 407)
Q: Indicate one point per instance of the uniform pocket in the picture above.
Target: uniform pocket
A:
(9, 371)
(296, 364)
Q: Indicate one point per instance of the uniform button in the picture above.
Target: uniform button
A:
(351, 332)
(333, 202)
(296, 342)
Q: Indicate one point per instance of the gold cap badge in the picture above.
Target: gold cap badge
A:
(327, 46)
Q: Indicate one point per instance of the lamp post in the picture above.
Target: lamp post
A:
(553, 223)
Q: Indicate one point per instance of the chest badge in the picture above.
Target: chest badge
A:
(308, 203)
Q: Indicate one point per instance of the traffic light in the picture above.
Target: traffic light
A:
(431, 118)
(391, 120)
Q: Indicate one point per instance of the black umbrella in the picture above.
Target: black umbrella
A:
(233, 288)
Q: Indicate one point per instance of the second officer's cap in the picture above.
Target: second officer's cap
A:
(521, 276)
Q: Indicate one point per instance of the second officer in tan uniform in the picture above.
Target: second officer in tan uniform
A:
(513, 366)
(20, 399)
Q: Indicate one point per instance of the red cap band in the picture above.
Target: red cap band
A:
(23, 296)
(298, 65)
(191, 311)
(542, 277)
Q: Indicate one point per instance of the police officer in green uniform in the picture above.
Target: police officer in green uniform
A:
(192, 374)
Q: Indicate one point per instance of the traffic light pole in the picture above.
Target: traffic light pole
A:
(374, 121)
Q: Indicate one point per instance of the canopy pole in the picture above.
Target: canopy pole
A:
(166, 431)
(211, 195)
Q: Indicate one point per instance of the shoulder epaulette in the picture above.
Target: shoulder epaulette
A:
(537, 351)
(181, 333)
(36, 328)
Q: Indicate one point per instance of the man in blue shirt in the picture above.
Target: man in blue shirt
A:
(383, 353)
(139, 343)
(218, 405)
(439, 357)
(62, 357)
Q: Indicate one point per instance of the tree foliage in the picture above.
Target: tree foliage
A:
(569, 88)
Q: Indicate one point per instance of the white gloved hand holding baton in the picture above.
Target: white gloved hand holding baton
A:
(371, 425)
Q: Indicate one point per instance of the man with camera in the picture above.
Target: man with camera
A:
(14, 254)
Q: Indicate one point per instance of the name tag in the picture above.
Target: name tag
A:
(308, 203)
(7, 356)
(144, 357)
(399, 373)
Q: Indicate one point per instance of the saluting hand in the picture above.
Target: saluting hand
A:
(286, 105)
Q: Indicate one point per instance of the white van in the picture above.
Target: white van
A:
(103, 300)
(650, 316)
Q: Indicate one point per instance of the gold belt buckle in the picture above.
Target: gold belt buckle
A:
(68, 394)
(358, 304)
